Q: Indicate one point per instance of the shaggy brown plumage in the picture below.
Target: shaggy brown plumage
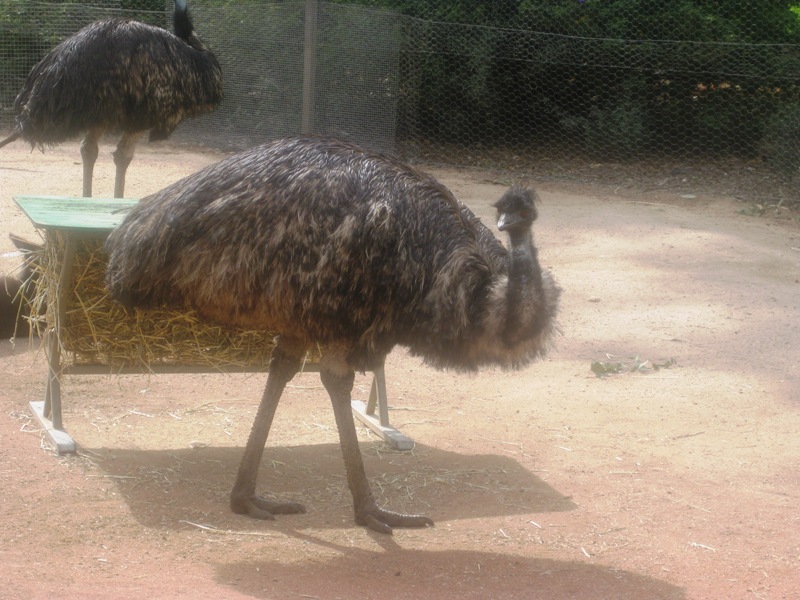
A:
(117, 75)
(324, 243)
(17, 291)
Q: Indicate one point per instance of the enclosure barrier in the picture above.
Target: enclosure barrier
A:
(544, 88)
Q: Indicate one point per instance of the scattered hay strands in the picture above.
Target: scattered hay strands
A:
(211, 529)
(97, 331)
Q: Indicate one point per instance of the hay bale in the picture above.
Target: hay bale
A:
(98, 331)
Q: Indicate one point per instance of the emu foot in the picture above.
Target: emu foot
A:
(382, 521)
(261, 508)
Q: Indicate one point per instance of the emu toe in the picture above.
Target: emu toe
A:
(261, 508)
(382, 521)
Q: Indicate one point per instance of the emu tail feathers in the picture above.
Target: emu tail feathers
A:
(181, 22)
(14, 135)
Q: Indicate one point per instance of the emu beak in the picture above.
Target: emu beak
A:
(506, 220)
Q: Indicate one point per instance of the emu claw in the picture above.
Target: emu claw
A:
(261, 508)
(382, 521)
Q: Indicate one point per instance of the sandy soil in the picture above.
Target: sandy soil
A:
(548, 483)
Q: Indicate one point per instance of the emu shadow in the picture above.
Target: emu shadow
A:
(20, 345)
(394, 572)
(165, 488)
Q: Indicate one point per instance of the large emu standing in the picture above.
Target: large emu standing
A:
(324, 243)
(117, 75)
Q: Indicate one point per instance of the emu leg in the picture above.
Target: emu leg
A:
(14, 135)
(123, 156)
(244, 500)
(367, 511)
(89, 151)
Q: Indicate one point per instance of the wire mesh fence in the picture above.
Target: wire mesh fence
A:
(511, 84)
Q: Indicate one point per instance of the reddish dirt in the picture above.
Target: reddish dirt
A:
(548, 483)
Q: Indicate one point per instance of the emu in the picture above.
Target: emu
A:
(324, 243)
(117, 75)
(17, 290)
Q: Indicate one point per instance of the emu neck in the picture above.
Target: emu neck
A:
(523, 256)
(524, 292)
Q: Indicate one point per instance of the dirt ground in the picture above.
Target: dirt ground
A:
(550, 483)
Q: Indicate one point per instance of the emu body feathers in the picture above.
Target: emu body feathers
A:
(321, 241)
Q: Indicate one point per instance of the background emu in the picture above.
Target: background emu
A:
(324, 243)
(16, 291)
(117, 75)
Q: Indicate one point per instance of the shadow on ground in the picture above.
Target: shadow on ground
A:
(175, 489)
(393, 572)
(193, 484)
(20, 345)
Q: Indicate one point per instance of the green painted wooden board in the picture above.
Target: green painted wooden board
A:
(76, 214)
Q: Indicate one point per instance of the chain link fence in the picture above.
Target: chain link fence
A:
(582, 89)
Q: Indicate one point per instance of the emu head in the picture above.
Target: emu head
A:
(17, 291)
(516, 210)
(27, 272)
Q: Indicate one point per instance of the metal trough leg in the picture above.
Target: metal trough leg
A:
(48, 411)
(380, 424)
